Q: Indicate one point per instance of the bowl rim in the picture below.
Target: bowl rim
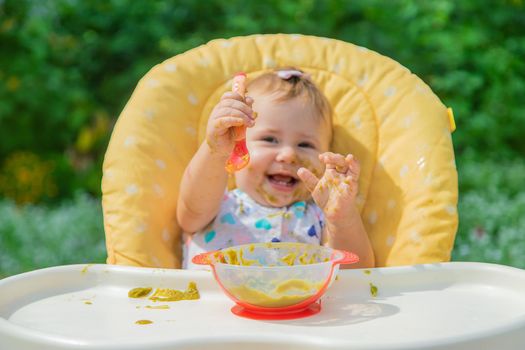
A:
(271, 245)
(346, 257)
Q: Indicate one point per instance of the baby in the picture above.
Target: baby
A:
(293, 189)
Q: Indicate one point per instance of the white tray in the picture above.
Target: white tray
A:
(435, 306)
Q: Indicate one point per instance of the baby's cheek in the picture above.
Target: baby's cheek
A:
(312, 164)
(301, 193)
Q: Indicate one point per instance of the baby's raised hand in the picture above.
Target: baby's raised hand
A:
(231, 112)
(335, 192)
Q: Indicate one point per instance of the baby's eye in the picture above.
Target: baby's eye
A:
(270, 139)
(306, 145)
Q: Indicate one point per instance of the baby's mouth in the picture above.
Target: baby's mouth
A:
(282, 181)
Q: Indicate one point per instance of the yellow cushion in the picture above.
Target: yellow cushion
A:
(385, 115)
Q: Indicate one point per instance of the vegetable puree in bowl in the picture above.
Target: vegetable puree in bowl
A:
(286, 293)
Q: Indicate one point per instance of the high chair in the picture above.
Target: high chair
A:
(383, 114)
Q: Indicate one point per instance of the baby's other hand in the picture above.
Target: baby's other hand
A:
(336, 191)
(231, 115)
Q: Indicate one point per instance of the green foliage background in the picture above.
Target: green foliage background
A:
(67, 67)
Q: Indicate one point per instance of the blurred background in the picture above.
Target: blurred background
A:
(67, 67)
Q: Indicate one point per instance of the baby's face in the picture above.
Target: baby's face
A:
(286, 136)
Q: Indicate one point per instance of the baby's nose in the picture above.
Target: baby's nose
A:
(286, 154)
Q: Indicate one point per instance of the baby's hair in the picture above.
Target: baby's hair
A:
(288, 83)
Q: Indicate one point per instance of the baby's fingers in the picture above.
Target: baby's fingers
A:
(334, 161)
(223, 112)
(225, 123)
(309, 179)
(354, 168)
(235, 101)
(230, 95)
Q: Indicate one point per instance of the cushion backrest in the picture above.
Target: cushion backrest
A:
(383, 114)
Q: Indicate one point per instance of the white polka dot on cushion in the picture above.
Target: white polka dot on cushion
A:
(161, 164)
(422, 88)
(166, 235)
(149, 113)
(357, 121)
(190, 130)
(111, 218)
(141, 228)
(407, 121)
(203, 62)
(152, 83)
(109, 174)
(226, 43)
(362, 80)
(415, 236)
(360, 200)
(298, 56)
(372, 217)
(403, 171)
(156, 261)
(390, 91)
(451, 209)
(429, 179)
(269, 62)
(132, 189)
(159, 191)
(421, 162)
(391, 204)
(390, 239)
(170, 67)
(130, 141)
(193, 99)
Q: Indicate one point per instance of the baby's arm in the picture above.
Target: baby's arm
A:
(335, 193)
(205, 179)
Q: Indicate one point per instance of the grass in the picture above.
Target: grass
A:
(491, 229)
(34, 237)
(491, 211)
